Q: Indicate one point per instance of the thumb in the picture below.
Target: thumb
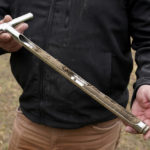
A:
(22, 27)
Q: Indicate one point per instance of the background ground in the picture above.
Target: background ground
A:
(9, 93)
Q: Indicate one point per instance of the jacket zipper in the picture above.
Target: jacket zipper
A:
(45, 45)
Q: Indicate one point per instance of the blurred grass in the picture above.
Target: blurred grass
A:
(9, 93)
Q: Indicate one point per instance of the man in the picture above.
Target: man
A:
(93, 39)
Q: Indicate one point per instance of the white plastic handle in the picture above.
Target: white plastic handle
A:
(21, 19)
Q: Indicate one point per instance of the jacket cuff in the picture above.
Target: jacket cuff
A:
(137, 84)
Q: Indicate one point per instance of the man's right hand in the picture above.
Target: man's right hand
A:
(6, 40)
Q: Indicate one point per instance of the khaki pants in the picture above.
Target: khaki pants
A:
(31, 136)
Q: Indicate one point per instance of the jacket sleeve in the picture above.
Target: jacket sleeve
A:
(4, 9)
(139, 27)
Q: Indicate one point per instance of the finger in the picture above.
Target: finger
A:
(130, 130)
(143, 94)
(147, 95)
(147, 135)
(5, 37)
(21, 27)
(6, 40)
(8, 44)
(13, 47)
(7, 18)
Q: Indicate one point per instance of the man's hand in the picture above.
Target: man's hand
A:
(6, 40)
(141, 108)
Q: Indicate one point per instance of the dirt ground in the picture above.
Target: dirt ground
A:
(9, 93)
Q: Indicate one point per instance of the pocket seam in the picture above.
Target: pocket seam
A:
(106, 128)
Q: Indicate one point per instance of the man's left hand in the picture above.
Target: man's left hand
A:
(141, 108)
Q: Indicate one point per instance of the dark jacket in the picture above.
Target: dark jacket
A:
(92, 37)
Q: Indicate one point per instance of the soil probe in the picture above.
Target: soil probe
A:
(89, 89)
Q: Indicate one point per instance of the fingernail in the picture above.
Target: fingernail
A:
(26, 25)
(7, 18)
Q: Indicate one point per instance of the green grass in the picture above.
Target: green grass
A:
(9, 93)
